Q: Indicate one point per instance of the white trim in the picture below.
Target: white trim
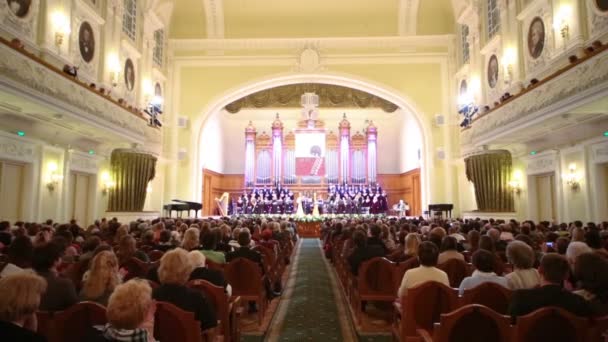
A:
(130, 48)
(407, 17)
(332, 43)
(532, 6)
(406, 104)
(214, 18)
(90, 12)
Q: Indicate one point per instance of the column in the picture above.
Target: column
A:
(277, 150)
(344, 149)
(372, 156)
(250, 134)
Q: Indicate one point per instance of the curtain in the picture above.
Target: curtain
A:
(131, 171)
(490, 173)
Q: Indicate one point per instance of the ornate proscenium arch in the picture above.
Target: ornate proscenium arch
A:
(406, 105)
(330, 96)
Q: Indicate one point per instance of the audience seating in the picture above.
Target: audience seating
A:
(375, 282)
(247, 281)
(421, 307)
(402, 267)
(551, 324)
(492, 295)
(225, 307)
(155, 255)
(75, 271)
(598, 330)
(472, 323)
(212, 265)
(456, 270)
(73, 324)
(174, 324)
(135, 268)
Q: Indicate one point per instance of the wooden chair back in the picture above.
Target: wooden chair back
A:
(376, 279)
(551, 324)
(423, 305)
(135, 268)
(45, 323)
(155, 255)
(473, 323)
(75, 323)
(492, 295)
(456, 270)
(212, 265)
(245, 277)
(174, 324)
(222, 304)
(598, 330)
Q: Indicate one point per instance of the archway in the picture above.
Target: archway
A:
(406, 105)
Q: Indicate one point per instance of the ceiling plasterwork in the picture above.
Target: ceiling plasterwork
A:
(330, 96)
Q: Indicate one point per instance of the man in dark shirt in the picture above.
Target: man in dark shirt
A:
(60, 292)
(374, 239)
(554, 270)
(244, 240)
(363, 251)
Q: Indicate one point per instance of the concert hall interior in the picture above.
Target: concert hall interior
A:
(294, 133)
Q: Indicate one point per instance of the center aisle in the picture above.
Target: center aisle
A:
(309, 309)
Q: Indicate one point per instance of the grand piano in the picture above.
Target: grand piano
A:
(440, 208)
(179, 206)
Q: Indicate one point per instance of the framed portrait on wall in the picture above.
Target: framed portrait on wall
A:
(492, 71)
(536, 38)
(129, 74)
(602, 5)
(20, 8)
(86, 41)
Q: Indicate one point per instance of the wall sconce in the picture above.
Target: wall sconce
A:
(114, 68)
(560, 22)
(61, 26)
(515, 183)
(509, 58)
(53, 177)
(572, 178)
(106, 183)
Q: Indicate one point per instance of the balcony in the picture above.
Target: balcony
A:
(33, 88)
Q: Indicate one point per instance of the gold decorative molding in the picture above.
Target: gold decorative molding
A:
(330, 96)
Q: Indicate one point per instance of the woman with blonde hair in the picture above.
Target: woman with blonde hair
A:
(102, 278)
(130, 313)
(412, 242)
(173, 273)
(121, 232)
(191, 239)
(19, 302)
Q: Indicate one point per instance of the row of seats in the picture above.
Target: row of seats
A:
(75, 324)
(432, 312)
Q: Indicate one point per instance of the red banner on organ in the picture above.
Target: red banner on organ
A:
(310, 166)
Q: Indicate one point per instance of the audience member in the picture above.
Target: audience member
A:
(60, 292)
(201, 272)
(524, 276)
(591, 270)
(208, 249)
(101, 279)
(127, 249)
(364, 251)
(554, 271)
(449, 250)
(130, 313)
(173, 273)
(428, 253)
(19, 300)
(484, 272)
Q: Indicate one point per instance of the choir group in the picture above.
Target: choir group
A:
(341, 199)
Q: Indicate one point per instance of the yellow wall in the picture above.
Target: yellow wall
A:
(422, 83)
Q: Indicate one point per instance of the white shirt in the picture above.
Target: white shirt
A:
(10, 269)
(523, 279)
(478, 278)
(420, 275)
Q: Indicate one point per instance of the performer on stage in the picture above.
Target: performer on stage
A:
(300, 211)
